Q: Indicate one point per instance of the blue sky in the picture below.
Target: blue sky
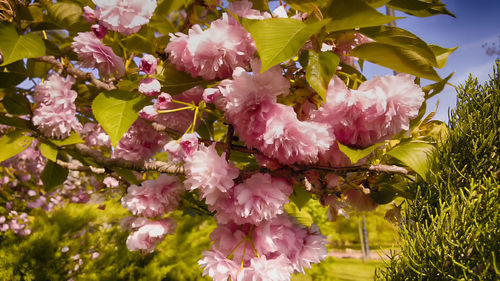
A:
(477, 22)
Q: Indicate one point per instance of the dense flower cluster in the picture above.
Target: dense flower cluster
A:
(55, 112)
(148, 233)
(124, 16)
(93, 53)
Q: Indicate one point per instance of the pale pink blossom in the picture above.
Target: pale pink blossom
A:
(174, 150)
(217, 266)
(124, 16)
(261, 197)
(94, 135)
(55, 112)
(163, 101)
(189, 144)
(266, 269)
(99, 30)
(212, 53)
(243, 8)
(93, 53)
(89, 14)
(227, 238)
(210, 173)
(140, 142)
(377, 110)
(346, 43)
(148, 64)
(149, 87)
(110, 182)
(148, 113)
(147, 236)
(154, 197)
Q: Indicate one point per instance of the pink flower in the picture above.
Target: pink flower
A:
(265, 269)
(210, 173)
(217, 266)
(149, 235)
(347, 43)
(189, 144)
(93, 53)
(89, 14)
(99, 30)
(55, 111)
(150, 87)
(148, 64)
(110, 182)
(153, 197)
(95, 135)
(174, 150)
(360, 201)
(212, 53)
(210, 95)
(140, 142)
(244, 9)
(227, 238)
(148, 113)
(261, 197)
(379, 109)
(124, 16)
(163, 101)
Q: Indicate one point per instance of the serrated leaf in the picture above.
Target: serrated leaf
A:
(351, 14)
(176, 82)
(357, 154)
(300, 196)
(65, 14)
(414, 155)
(15, 47)
(116, 111)
(397, 58)
(420, 8)
(13, 143)
(320, 69)
(302, 216)
(16, 104)
(73, 138)
(441, 54)
(49, 151)
(437, 87)
(279, 39)
(53, 175)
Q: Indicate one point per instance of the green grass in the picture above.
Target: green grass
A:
(333, 269)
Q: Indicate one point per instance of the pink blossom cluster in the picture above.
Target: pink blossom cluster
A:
(140, 142)
(93, 53)
(154, 198)
(55, 112)
(377, 110)
(27, 165)
(347, 43)
(212, 53)
(254, 240)
(147, 234)
(272, 250)
(124, 16)
(18, 223)
(272, 128)
(94, 135)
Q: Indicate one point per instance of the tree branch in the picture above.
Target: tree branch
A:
(77, 73)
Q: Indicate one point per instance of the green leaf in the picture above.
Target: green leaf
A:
(13, 143)
(73, 138)
(442, 54)
(165, 7)
(65, 14)
(399, 37)
(37, 68)
(116, 111)
(261, 5)
(15, 47)
(350, 14)
(139, 43)
(414, 155)
(357, 154)
(53, 175)
(127, 175)
(300, 196)
(16, 104)
(437, 87)
(397, 58)
(320, 68)
(306, 5)
(279, 39)
(376, 3)
(176, 82)
(49, 151)
(302, 216)
(8, 79)
(420, 8)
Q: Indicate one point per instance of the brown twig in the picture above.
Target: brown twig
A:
(77, 73)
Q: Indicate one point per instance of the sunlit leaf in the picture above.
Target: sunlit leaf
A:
(320, 68)
(49, 151)
(357, 154)
(415, 155)
(15, 47)
(53, 175)
(13, 143)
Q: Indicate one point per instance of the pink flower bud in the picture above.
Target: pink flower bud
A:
(163, 101)
(148, 64)
(99, 30)
(210, 95)
(149, 87)
(89, 14)
(148, 113)
(189, 144)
